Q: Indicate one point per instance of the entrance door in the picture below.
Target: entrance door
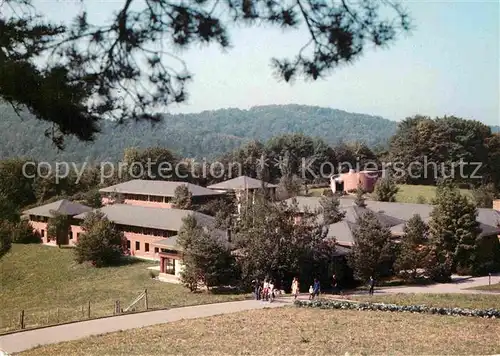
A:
(170, 266)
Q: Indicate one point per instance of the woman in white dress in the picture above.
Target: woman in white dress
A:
(295, 287)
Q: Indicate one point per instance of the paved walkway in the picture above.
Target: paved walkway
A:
(25, 340)
(459, 285)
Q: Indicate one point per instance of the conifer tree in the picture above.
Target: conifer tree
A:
(330, 208)
(360, 197)
(182, 198)
(412, 253)
(454, 228)
(385, 190)
(206, 258)
(101, 242)
(372, 247)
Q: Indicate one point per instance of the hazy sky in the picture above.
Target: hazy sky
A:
(449, 64)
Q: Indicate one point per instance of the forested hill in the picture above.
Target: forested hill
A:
(206, 134)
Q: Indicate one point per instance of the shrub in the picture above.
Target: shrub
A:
(5, 237)
(385, 190)
(100, 243)
(23, 233)
(332, 304)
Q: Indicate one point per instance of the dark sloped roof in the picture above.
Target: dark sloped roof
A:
(63, 207)
(353, 213)
(156, 188)
(171, 242)
(342, 232)
(241, 182)
(155, 218)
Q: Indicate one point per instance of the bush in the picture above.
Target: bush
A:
(332, 304)
(100, 243)
(327, 193)
(5, 237)
(23, 233)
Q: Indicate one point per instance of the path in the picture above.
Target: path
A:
(459, 285)
(25, 340)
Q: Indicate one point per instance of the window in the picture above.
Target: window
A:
(43, 233)
(146, 247)
(70, 234)
(137, 245)
(157, 250)
(128, 244)
(169, 266)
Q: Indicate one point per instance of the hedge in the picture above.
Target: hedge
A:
(333, 304)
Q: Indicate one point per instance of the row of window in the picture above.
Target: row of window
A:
(154, 198)
(146, 231)
(146, 247)
(38, 218)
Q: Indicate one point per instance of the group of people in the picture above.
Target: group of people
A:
(267, 291)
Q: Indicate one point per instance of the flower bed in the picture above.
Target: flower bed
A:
(334, 304)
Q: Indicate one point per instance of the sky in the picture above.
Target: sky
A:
(448, 65)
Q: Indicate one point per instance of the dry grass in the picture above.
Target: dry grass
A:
(51, 287)
(293, 331)
(491, 288)
(471, 301)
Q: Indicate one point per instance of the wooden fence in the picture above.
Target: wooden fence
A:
(40, 318)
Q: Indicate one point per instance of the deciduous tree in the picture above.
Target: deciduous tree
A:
(274, 245)
(70, 74)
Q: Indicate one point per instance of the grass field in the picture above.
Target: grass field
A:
(471, 301)
(491, 288)
(45, 281)
(407, 193)
(293, 331)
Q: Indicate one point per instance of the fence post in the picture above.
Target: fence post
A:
(21, 319)
(146, 298)
(88, 311)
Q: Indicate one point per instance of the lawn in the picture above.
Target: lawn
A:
(491, 288)
(414, 193)
(470, 301)
(292, 331)
(407, 193)
(49, 286)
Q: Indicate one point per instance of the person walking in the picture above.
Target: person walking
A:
(371, 283)
(266, 290)
(271, 291)
(295, 287)
(256, 285)
(316, 288)
(334, 284)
